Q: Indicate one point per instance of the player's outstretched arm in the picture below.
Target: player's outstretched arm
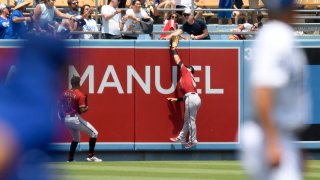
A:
(175, 56)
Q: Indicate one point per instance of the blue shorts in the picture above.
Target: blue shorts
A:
(224, 14)
(225, 4)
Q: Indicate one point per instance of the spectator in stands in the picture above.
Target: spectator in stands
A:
(73, 6)
(225, 4)
(91, 24)
(196, 28)
(17, 27)
(122, 3)
(44, 14)
(166, 4)
(246, 27)
(254, 4)
(148, 6)
(134, 15)
(173, 17)
(71, 25)
(111, 20)
(170, 24)
(237, 4)
(183, 4)
(4, 19)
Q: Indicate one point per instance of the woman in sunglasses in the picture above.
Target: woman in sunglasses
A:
(170, 24)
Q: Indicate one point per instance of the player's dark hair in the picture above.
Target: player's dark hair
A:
(75, 81)
(191, 68)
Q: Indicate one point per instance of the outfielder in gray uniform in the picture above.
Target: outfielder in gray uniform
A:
(191, 100)
(73, 104)
(280, 97)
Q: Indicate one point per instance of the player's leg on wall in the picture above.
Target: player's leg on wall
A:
(185, 129)
(194, 103)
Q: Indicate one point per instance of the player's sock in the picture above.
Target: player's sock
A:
(92, 144)
(73, 148)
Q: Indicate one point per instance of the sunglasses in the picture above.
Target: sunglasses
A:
(186, 15)
(74, 3)
(174, 17)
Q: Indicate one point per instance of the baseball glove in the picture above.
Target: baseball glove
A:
(174, 41)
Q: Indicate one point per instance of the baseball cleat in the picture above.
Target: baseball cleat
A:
(189, 145)
(177, 140)
(94, 159)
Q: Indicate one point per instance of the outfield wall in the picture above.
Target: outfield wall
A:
(128, 83)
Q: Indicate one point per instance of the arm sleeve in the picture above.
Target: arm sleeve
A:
(82, 101)
(180, 64)
(203, 25)
(180, 99)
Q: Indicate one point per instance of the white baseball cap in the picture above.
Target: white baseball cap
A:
(2, 6)
(187, 11)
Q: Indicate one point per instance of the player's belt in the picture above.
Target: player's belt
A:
(188, 94)
(70, 115)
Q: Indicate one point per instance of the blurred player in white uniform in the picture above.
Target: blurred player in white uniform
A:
(280, 100)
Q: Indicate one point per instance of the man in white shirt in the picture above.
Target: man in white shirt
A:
(134, 15)
(111, 20)
(281, 100)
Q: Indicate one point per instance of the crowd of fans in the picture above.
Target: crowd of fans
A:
(116, 23)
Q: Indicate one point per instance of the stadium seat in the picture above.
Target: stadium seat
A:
(128, 3)
(246, 4)
(11, 2)
(208, 3)
(92, 3)
(309, 4)
(61, 3)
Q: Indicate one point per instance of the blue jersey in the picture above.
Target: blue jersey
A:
(4, 24)
(16, 30)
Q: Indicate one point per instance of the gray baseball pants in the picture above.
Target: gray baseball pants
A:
(76, 123)
(192, 104)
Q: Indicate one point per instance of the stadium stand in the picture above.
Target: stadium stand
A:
(11, 2)
(215, 3)
(92, 3)
(63, 3)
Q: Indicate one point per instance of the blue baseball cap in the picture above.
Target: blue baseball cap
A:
(278, 5)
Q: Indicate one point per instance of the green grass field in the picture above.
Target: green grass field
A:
(159, 170)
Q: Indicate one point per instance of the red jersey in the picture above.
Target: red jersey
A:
(169, 26)
(72, 101)
(187, 82)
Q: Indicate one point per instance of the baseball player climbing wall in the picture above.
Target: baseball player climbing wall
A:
(127, 84)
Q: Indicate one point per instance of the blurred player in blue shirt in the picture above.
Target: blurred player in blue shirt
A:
(26, 107)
